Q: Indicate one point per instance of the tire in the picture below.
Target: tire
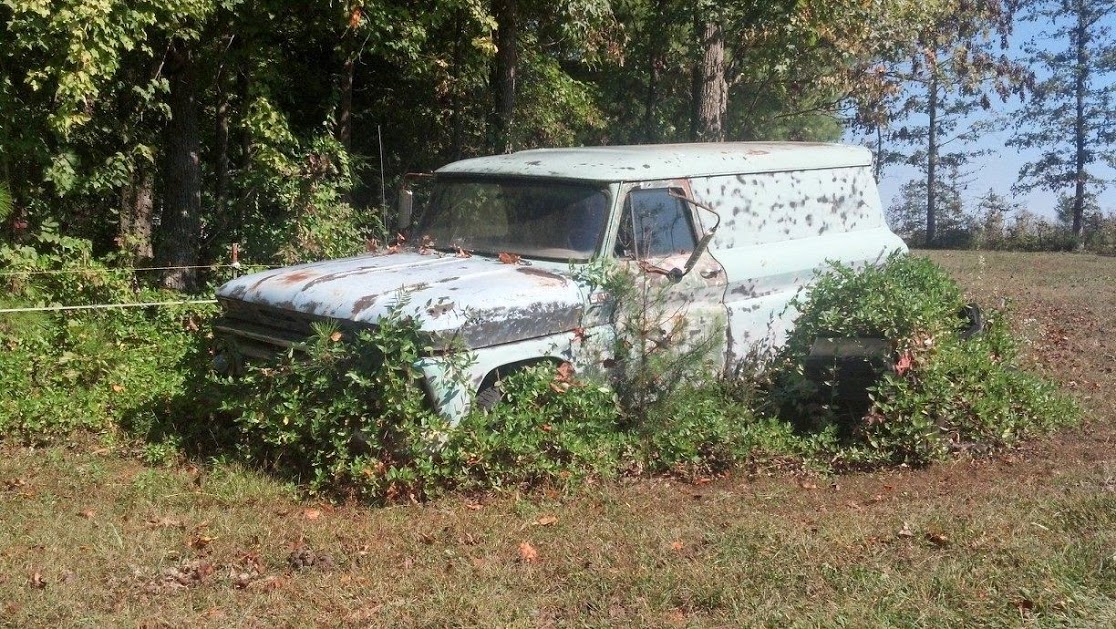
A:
(489, 397)
(973, 319)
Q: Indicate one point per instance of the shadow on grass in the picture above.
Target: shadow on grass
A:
(191, 422)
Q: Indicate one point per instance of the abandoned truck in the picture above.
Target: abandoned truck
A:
(726, 233)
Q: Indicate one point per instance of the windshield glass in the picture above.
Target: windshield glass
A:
(539, 219)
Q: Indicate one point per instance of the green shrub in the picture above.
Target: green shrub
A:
(85, 370)
(349, 416)
(946, 394)
(549, 429)
(705, 430)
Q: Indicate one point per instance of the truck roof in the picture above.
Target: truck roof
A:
(664, 161)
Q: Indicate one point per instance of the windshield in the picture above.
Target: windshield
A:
(535, 219)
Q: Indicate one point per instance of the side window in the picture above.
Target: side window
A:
(655, 224)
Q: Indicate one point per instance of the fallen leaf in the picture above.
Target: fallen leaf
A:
(547, 520)
(509, 258)
(938, 539)
(36, 580)
(192, 324)
(905, 531)
(88, 514)
(116, 388)
(473, 506)
(528, 553)
(311, 514)
(564, 372)
(904, 364)
(165, 523)
(201, 541)
(677, 545)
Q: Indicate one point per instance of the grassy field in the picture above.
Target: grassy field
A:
(91, 537)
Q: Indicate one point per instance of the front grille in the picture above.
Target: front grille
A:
(262, 331)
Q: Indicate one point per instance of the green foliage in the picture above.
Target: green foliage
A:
(6, 204)
(300, 213)
(946, 394)
(91, 370)
(350, 416)
(960, 396)
(1067, 123)
(545, 432)
(904, 298)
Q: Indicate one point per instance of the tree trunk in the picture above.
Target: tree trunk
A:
(712, 103)
(136, 214)
(180, 227)
(655, 40)
(1081, 81)
(345, 115)
(457, 102)
(507, 61)
(221, 146)
(932, 164)
(244, 163)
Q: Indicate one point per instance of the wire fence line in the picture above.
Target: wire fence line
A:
(94, 269)
(138, 304)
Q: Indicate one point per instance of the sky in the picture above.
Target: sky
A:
(999, 169)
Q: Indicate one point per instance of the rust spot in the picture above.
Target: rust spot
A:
(547, 275)
(296, 277)
(364, 303)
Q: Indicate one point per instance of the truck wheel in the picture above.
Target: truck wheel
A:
(490, 396)
(973, 320)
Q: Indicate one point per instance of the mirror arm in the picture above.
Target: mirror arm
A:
(702, 244)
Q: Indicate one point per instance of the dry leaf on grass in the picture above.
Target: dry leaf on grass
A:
(199, 541)
(528, 553)
(677, 545)
(938, 539)
(546, 520)
(36, 580)
(165, 523)
(311, 514)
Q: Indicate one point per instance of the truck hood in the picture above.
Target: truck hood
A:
(482, 300)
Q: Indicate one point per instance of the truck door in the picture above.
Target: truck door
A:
(670, 309)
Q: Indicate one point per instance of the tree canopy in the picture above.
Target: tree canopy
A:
(164, 131)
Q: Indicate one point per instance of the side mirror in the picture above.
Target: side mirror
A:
(403, 214)
(698, 251)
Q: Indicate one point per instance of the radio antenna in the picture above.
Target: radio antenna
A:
(383, 188)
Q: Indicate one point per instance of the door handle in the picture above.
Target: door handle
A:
(710, 273)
